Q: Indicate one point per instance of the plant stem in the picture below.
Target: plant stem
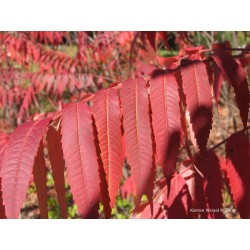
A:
(222, 142)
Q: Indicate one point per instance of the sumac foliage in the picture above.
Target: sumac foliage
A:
(159, 121)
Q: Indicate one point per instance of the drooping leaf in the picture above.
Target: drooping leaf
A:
(55, 154)
(164, 99)
(40, 178)
(238, 171)
(137, 134)
(185, 117)
(217, 83)
(178, 202)
(235, 76)
(30, 95)
(151, 37)
(164, 37)
(188, 173)
(106, 112)
(18, 163)
(80, 157)
(199, 100)
(209, 187)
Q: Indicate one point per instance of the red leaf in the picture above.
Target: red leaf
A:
(57, 164)
(143, 68)
(238, 171)
(4, 98)
(163, 35)
(80, 157)
(236, 76)
(188, 173)
(218, 80)
(29, 96)
(209, 188)
(164, 99)
(199, 100)
(137, 134)
(106, 112)
(178, 202)
(222, 46)
(223, 165)
(18, 162)
(40, 178)
(151, 37)
(194, 52)
(168, 62)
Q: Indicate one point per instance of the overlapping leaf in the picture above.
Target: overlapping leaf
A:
(188, 172)
(238, 171)
(199, 100)
(137, 134)
(209, 187)
(106, 112)
(151, 37)
(164, 99)
(29, 97)
(178, 202)
(80, 157)
(55, 154)
(40, 178)
(217, 83)
(236, 76)
(18, 163)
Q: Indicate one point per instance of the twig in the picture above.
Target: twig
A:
(222, 142)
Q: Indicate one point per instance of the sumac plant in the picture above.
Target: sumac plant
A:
(161, 120)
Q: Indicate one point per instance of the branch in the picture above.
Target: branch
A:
(222, 142)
